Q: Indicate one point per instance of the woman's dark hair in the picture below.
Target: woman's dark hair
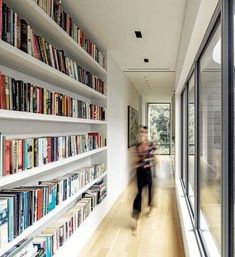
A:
(144, 127)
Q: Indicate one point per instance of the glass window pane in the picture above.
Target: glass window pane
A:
(184, 141)
(210, 145)
(191, 138)
(159, 124)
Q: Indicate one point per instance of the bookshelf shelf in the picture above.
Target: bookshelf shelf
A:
(15, 178)
(16, 59)
(80, 236)
(45, 25)
(51, 216)
(18, 115)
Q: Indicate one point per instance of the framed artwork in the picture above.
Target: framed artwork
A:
(133, 126)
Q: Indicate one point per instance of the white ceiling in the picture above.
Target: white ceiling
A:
(113, 23)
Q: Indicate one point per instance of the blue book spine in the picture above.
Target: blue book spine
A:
(10, 218)
(21, 213)
(26, 163)
(44, 201)
(25, 212)
(48, 251)
(54, 197)
(70, 186)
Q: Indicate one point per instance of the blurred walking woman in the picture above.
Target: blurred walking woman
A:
(144, 162)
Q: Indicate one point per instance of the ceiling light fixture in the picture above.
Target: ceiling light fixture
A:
(138, 34)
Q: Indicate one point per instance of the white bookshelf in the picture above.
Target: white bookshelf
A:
(16, 59)
(18, 115)
(42, 23)
(19, 61)
(80, 236)
(38, 171)
(59, 210)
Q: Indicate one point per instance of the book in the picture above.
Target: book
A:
(1, 6)
(24, 36)
(3, 222)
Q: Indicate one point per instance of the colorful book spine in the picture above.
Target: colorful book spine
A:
(18, 33)
(3, 222)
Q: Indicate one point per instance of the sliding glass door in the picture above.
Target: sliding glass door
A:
(210, 142)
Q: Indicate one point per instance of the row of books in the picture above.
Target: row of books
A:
(54, 9)
(53, 237)
(21, 207)
(27, 153)
(19, 96)
(18, 33)
(24, 248)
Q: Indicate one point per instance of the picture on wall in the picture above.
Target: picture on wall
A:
(133, 126)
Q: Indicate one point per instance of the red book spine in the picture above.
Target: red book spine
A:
(1, 89)
(40, 100)
(1, 19)
(36, 47)
(49, 149)
(7, 149)
(40, 204)
(2, 92)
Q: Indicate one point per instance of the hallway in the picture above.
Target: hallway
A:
(159, 235)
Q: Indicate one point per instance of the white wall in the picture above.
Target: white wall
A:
(197, 18)
(121, 93)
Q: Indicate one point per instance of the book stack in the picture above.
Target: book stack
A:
(21, 207)
(54, 236)
(27, 153)
(97, 193)
(18, 33)
(20, 96)
(54, 9)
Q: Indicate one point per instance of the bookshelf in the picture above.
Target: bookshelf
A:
(68, 249)
(15, 60)
(42, 23)
(51, 216)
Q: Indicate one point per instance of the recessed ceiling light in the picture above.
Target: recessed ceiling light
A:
(138, 34)
(146, 60)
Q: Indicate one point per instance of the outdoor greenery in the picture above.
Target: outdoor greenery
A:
(159, 123)
(191, 128)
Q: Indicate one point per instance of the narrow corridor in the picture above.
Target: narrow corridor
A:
(159, 234)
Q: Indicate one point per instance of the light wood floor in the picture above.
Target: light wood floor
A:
(159, 235)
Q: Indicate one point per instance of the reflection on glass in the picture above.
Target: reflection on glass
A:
(210, 143)
(191, 138)
(159, 125)
(184, 116)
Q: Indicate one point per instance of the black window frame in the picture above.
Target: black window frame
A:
(223, 16)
